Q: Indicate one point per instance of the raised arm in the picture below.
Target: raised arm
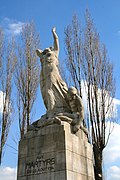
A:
(56, 41)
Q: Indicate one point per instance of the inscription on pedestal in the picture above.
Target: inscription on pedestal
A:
(40, 165)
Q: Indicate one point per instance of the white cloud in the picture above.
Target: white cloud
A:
(112, 150)
(11, 27)
(115, 107)
(15, 28)
(113, 173)
(1, 101)
(8, 173)
(111, 154)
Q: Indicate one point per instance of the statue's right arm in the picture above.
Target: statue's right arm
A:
(56, 41)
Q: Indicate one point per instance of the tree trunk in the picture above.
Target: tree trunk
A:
(98, 162)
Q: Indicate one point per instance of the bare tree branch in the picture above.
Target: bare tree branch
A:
(8, 61)
(27, 75)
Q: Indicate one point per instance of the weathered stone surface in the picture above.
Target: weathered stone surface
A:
(62, 103)
(53, 88)
(54, 153)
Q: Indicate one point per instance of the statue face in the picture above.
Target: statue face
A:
(71, 96)
(72, 91)
(47, 50)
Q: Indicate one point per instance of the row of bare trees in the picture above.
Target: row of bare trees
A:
(18, 68)
(88, 62)
(7, 65)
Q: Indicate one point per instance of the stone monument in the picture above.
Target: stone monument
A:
(56, 146)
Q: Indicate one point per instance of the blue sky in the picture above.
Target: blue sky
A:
(49, 13)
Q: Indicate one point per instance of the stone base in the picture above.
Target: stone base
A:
(54, 153)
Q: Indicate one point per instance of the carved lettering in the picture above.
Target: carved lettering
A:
(39, 166)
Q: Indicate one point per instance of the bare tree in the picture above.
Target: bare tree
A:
(27, 75)
(8, 60)
(73, 37)
(90, 58)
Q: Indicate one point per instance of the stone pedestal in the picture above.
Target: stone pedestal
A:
(55, 153)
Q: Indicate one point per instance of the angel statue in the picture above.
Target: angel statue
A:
(53, 88)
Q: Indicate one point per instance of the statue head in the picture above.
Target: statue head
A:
(51, 48)
(72, 91)
(42, 53)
